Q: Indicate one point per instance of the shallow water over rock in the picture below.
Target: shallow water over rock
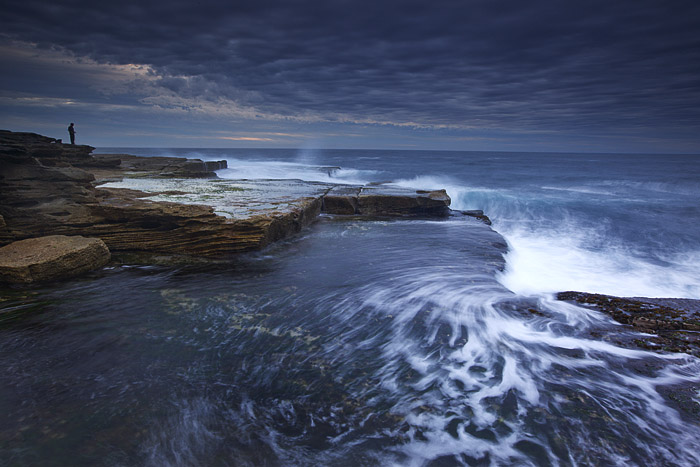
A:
(358, 343)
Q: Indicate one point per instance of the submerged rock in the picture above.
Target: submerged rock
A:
(52, 257)
(672, 324)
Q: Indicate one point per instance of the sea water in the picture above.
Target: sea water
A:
(379, 342)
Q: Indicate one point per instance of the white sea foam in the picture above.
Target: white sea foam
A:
(301, 170)
(546, 257)
(579, 189)
(478, 391)
(455, 189)
(545, 261)
(677, 187)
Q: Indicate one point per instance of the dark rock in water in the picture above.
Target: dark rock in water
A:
(392, 201)
(667, 324)
(476, 213)
(50, 258)
(196, 168)
(385, 201)
(341, 200)
(673, 322)
(330, 171)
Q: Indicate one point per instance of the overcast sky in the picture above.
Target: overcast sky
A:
(553, 75)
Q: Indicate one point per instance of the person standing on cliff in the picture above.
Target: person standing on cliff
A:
(71, 132)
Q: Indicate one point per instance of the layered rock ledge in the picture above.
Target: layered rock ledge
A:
(170, 205)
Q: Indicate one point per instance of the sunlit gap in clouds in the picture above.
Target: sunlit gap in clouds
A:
(243, 138)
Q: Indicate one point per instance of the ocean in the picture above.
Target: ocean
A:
(378, 342)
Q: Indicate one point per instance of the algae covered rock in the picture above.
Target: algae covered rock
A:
(52, 257)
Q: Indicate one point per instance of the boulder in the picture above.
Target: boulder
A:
(50, 258)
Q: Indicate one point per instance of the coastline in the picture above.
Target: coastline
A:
(370, 327)
(174, 210)
(171, 205)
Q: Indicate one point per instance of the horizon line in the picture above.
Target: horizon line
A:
(402, 150)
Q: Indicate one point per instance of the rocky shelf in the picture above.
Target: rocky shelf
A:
(171, 205)
(55, 194)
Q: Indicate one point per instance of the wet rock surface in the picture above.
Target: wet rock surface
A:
(673, 324)
(52, 257)
(204, 218)
(232, 199)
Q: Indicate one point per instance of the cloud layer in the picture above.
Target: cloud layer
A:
(597, 68)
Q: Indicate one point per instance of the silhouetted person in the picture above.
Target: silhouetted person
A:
(71, 132)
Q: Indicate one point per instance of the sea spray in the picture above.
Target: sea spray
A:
(271, 170)
(558, 243)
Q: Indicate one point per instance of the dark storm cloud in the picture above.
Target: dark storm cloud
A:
(529, 66)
